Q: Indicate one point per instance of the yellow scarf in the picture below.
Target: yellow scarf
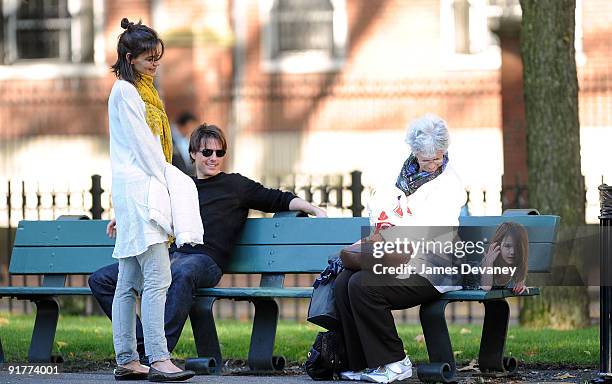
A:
(157, 120)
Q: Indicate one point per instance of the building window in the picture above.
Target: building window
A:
(467, 39)
(466, 31)
(471, 25)
(47, 31)
(303, 35)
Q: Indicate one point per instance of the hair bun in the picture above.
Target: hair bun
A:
(125, 23)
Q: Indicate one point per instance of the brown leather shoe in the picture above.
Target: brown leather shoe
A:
(122, 373)
(159, 376)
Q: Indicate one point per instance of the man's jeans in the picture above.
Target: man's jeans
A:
(189, 272)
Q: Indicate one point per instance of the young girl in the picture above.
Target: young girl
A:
(140, 148)
(509, 248)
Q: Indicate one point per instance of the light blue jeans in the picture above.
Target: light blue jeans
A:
(148, 273)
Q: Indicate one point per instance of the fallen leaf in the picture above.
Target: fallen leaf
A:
(420, 339)
(4, 321)
(61, 344)
(587, 352)
(470, 367)
(563, 376)
(457, 353)
(464, 331)
(511, 337)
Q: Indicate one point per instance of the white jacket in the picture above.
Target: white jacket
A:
(172, 206)
(136, 160)
(436, 203)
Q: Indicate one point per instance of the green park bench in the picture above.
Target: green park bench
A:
(272, 247)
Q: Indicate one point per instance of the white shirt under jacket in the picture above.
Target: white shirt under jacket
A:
(139, 181)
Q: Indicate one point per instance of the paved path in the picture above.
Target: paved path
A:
(107, 378)
(529, 376)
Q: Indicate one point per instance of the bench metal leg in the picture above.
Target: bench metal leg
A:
(262, 337)
(441, 367)
(43, 335)
(205, 332)
(495, 328)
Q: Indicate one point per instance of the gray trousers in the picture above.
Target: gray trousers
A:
(148, 274)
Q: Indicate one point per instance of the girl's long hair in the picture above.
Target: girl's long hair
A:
(518, 233)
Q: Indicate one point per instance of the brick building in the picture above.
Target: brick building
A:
(300, 86)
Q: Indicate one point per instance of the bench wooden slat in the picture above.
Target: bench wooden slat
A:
(77, 233)
(289, 292)
(260, 231)
(34, 291)
(60, 260)
(246, 259)
(302, 231)
(480, 295)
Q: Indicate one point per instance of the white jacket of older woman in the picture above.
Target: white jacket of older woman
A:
(436, 203)
(142, 196)
(420, 215)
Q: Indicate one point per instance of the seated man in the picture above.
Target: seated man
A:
(225, 200)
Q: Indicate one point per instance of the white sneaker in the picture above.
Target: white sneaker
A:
(353, 375)
(400, 370)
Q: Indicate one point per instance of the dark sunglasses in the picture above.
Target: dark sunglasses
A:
(209, 152)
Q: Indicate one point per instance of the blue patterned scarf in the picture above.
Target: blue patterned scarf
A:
(410, 178)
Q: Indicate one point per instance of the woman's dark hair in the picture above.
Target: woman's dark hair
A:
(205, 132)
(136, 39)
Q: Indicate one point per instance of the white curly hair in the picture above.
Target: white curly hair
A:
(427, 135)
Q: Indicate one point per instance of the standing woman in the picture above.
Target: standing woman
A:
(140, 148)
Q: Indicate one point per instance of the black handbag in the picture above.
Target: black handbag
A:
(327, 357)
(322, 308)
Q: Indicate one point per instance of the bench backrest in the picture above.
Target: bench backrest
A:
(267, 245)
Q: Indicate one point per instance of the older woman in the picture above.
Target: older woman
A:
(434, 196)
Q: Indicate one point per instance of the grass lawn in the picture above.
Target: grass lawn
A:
(90, 339)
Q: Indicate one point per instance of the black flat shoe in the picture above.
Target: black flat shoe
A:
(122, 373)
(159, 376)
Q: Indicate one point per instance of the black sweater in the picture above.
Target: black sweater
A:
(225, 200)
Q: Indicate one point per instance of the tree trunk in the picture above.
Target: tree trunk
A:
(555, 183)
